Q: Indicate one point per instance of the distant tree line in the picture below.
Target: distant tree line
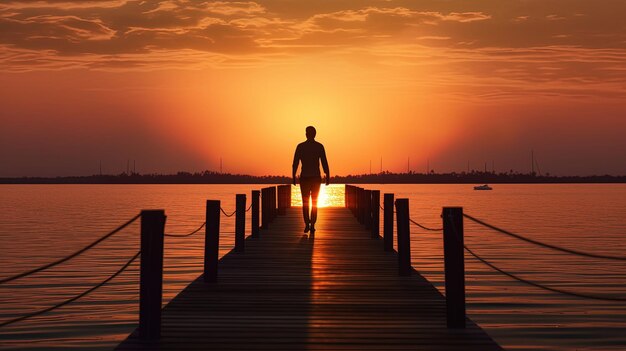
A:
(210, 177)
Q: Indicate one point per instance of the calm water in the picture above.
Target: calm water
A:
(39, 223)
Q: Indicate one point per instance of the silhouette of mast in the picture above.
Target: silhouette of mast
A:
(532, 162)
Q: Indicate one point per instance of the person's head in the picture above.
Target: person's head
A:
(310, 132)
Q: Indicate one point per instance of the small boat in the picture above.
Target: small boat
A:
(483, 187)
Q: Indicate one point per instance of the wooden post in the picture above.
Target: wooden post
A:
(288, 187)
(270, 213)
(358, 204)
(360, 209)
(357, 197)
(284, 192)
(404, 238)
(375, 206)
(275, 189)
(211, 240)
(240, 222)
(281, 199)
(151, 274)
(255, 213)
(346, 196)
(265, 208)
(388, 223)
(273, 210)
(353, 196)
(454, 266)
(367, 202)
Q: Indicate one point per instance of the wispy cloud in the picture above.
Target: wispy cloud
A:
(581, 44)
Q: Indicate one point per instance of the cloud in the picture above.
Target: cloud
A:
(581, 43)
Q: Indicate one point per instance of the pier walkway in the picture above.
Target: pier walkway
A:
(335, 290)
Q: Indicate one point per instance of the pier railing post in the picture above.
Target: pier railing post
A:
(367, 202)
(265, 208)
(388, 222)
(404, 240)
(211, 240)
(375, 206)
(288, 195)
(361, 208)
(255, 213)
(268, 196)
(355, 209)
(357, 197)
(273, 209)
(281, 200)
(240, 222)
(454, 266)
(151, 274)
(349, 198)
(355, 202)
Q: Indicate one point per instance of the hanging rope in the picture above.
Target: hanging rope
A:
(382, 208)
(549, 246)
(426, 228)
(226, 214)
(249, 207)
(541, 286)
(188, 234)
(86, 292)
(529, 282)
(67, 258)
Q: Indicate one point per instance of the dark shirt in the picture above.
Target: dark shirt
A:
(310, 153)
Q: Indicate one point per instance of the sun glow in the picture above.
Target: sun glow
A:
(330, 196)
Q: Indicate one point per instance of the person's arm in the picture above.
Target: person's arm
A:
(325, 165)
(296, 161)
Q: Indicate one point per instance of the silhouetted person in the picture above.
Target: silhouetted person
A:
(310, 153)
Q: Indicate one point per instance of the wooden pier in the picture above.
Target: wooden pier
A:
(335, 290)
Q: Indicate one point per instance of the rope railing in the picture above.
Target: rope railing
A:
(69, 257)
(188, 234)
(226, 214)
(84, 293)
(382, 208)
(539, 243)
(541, 286)
(529, 282)
(424, 227)
(249, 208)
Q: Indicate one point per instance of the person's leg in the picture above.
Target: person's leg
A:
(315, 190)
(305, 189)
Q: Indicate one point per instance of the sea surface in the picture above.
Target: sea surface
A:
(42, 223)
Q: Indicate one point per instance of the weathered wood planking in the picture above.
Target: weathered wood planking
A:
(338, 290)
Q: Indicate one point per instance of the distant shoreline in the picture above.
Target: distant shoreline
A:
(382, 178)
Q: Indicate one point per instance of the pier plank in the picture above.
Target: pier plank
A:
(335, 290)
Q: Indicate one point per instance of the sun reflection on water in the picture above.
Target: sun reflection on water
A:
(330, 196)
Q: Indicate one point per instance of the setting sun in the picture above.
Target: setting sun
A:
(330, 196)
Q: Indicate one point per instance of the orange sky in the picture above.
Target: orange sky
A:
(175, 85)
